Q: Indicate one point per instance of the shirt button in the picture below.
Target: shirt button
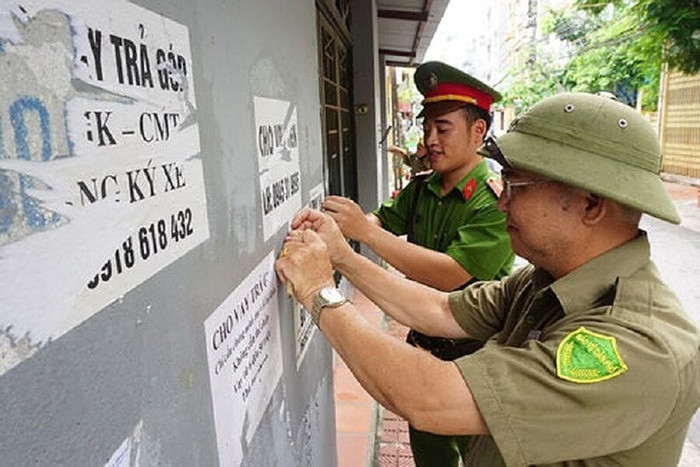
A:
(530, 320)
(435, 237)
(439, 203)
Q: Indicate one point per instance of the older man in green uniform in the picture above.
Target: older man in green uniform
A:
(590, 359)
(456, 234)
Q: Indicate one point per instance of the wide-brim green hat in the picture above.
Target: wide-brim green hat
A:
(594, 143)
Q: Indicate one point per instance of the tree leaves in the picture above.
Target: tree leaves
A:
(615, 45)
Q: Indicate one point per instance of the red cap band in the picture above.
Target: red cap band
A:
(459, 92)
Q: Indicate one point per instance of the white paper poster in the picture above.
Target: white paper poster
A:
(245, 359)
(276, 136)
(100, 170)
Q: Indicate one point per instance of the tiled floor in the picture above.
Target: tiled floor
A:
(355, 410)
(394, 446)
(394, 449)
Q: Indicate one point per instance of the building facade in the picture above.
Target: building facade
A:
(152, 154)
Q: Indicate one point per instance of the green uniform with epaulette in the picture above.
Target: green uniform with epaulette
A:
(464, 223)
(597, 368)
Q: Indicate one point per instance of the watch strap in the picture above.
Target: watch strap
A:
(318, 304)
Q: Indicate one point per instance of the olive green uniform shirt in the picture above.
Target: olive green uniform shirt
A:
(535, 417)
(465, 223)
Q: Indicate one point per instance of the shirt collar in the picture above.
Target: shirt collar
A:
(583, 287)
(479, 172)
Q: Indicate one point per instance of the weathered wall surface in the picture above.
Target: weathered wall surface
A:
(151, 155)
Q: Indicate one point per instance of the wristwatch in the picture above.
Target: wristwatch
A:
(330, 297)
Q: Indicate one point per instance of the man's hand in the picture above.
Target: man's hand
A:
(304, 265)
(400, 152)
(349, 217)
(327, 229)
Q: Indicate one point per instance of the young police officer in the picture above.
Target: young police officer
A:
(589, 358)
(455, 231)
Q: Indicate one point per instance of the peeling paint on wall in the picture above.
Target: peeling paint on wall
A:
(309, 430)
(128, 454)
(101, 182)
(14, 351)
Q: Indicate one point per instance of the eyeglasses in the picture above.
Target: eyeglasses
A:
(508, 186)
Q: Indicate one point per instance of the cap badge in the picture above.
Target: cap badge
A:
(495, 185)
(431, 82)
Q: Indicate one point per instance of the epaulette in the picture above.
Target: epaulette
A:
(495, 185)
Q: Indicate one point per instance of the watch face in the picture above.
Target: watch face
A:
(332, 295)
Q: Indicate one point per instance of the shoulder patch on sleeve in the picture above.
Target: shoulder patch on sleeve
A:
(588, 357)
(495, 185)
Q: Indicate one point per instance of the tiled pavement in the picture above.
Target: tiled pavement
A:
(368, 434)
(355, 410)
(394, 448)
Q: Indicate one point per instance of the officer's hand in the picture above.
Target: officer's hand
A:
(304, 265)
(349, 217)
(396, 150)
(327, 229)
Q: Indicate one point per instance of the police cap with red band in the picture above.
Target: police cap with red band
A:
(445, 89)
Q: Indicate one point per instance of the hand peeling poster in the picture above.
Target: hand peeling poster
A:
(304, 327)
(245, 359)
(101, 181)
(277, 141)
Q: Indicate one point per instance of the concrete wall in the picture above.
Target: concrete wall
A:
(371, 171)
(126, 377)
(366, 90)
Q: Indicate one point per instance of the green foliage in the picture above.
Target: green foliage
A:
(617, 46)
(616, 57)
(407, 93)
(534, 82)
(677, 23)
(673, 25)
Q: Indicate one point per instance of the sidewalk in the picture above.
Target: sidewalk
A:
(366, 433)
(355, 410)
(685, 193)
(394, 446)
(369, 435)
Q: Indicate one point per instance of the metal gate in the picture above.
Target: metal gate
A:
(335, 69)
